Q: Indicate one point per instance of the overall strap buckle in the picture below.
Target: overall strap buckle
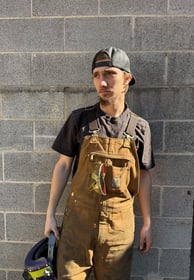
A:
(131, 126)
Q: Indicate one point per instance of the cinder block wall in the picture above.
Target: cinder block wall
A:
(46, 48)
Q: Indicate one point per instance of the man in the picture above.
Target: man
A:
(111, 150)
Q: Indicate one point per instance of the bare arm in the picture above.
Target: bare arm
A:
(144, 198)
(60, 177)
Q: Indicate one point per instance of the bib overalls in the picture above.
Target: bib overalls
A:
(98, 224)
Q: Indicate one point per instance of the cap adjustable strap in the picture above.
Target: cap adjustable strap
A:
(103, 63)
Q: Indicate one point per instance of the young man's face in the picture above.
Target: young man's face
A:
(110, 83)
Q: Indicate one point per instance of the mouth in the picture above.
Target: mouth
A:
(104, 91)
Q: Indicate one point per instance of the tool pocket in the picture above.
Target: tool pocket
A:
(109, 175)
(97, 182)
(117, 178)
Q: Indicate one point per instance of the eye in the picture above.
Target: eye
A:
(110, 73)
(95, 75)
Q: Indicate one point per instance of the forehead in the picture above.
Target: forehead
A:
(104, 69)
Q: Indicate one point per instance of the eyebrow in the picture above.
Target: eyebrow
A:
(105, 70)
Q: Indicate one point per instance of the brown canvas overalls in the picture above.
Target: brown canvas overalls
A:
(98, 225)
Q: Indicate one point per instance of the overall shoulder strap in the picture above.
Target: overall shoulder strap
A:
(92, 120)
(130, 130)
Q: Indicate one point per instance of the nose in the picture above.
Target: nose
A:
(103, 81)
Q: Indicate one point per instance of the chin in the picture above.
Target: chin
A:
(104, 102)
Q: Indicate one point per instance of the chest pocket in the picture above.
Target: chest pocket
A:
(109, 174)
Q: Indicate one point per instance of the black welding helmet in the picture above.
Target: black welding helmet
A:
(40, 262)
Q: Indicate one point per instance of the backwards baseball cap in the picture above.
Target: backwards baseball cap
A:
(115, 58)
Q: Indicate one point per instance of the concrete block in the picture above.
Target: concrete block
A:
(15, 69)
(45, 134)
(161, 33)
(181, 7)
(64, 7)
(25, 227)
(16, 135)
(180, 33)
(145, 264)
(13, 254)
(79, 98)
(172, 233)
(22, 200)
(177, 202)
(32, 35)
(148, 68)
(42, 192)
(2, 233)
(156, 104)
(178, 137)
(3, 275)
(175, 262)
(127, 7)
(151, 33)
(17, 8)
(176, 170)
(180, 69)
(1, 167)
(69, 70)
(157, 136)
(12, 275)
(39, 105)
(93, 34)
(155, 203)
(168, 232)
(30, 167)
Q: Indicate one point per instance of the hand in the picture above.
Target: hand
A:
(51, 225)
(145, 239)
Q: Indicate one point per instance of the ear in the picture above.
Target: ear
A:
(127, 78)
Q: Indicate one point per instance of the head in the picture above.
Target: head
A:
(111, 73)
(113, 57)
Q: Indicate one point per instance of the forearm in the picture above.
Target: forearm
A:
(58, 184)
(144, 196)
(59, 180)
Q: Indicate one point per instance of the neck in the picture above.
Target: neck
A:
(113, 110)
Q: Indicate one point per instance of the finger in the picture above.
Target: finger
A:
(56, 233)
(142, 246)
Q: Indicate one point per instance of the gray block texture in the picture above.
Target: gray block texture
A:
(99, 34)
(25, 167)
(17, 8)
(126, 7)
(15, 69)
(46, 50)
(64, 7)
(32, 35)
(159, 33)
(16, 197)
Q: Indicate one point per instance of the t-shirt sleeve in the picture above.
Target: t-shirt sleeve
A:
(65, 142)
(145, 151)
